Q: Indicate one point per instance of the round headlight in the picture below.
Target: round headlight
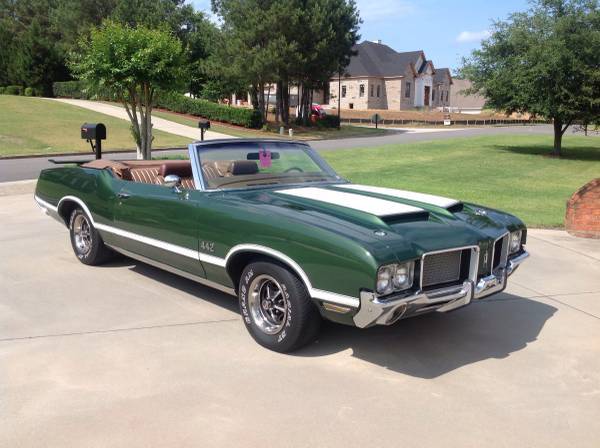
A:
(384, 280)
(515, 241)
(403, 276)
(400, 276)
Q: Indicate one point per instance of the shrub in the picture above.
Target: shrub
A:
(29, 91)
(177, 102)
(328, 121)
(1, 90)
(13, 90)
(68, 89)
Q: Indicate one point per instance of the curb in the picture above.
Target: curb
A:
(84, 154)
(17, 187)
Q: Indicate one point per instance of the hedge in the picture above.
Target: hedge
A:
(1, 90)
(77, 89)
(13, 90)
(177, 102)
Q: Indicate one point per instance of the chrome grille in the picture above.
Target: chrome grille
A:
(441, 268)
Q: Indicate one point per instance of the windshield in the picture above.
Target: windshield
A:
(251, 164)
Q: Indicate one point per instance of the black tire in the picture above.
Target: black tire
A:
(93, 251)
(289, 330)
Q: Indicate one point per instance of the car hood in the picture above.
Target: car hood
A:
(391, 224)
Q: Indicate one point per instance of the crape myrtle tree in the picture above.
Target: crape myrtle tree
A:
(284, 42)
(545, 62)
(132, 63)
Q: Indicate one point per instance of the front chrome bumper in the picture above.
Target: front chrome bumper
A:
(374, 310)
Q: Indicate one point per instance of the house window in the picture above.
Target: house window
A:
(371, 89)
(407, 92)
(343, 91)
(433, 95)
(378, 91)
(361, 90)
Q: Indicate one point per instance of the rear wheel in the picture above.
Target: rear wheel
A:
(276, 307)
(85, 239)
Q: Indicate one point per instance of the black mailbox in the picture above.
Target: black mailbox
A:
(204, 125)
(93, 131)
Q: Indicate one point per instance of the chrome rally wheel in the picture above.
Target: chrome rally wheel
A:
(267, 303)
(82, 233)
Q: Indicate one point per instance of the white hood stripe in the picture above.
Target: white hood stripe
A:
(403, 194)
(374, 206)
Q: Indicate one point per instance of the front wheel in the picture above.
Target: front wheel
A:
(276, 307)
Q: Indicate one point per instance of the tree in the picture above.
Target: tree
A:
(545, 62)
(132, 63)
(301, 42)
(330, 32)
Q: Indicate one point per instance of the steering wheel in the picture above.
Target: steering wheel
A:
(294, 168)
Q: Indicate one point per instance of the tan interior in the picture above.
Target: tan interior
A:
(154, 171)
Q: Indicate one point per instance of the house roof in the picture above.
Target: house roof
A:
(440, 74)
(374, 59)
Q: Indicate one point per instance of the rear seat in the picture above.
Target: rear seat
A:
(183, 169)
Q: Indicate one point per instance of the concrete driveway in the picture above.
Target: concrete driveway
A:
(126, 355)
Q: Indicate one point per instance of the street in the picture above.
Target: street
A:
(128, 355)
(30, 167)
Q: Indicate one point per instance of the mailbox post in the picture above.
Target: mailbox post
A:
(94, 133)
(204, 125)
(376, 118)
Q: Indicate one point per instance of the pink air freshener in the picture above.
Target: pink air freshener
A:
(265, 158)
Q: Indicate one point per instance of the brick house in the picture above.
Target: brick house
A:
(379, 77)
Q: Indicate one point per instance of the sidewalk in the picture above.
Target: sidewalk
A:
(159, 123)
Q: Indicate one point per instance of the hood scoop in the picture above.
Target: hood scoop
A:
(391, 220)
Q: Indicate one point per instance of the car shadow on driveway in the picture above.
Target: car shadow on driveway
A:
(434, 344)
(425, 346)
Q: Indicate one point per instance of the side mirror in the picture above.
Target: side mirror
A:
(173, 181)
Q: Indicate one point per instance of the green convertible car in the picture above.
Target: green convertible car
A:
(271, 222)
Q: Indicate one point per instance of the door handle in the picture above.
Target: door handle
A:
(122, 195)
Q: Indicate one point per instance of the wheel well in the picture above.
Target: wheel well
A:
(239, 261)
(66, 208)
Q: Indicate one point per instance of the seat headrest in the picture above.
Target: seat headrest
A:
(181, 168)
(241, 167)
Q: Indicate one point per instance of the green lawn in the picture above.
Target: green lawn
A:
(38, 126)
(508, 172)
(314, 133)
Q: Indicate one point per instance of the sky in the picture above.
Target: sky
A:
(446, 30)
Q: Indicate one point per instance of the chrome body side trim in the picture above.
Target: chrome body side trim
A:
(45, 206)
(190, 253)
(176, 271)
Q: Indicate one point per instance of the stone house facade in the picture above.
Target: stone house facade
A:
(378, 77)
